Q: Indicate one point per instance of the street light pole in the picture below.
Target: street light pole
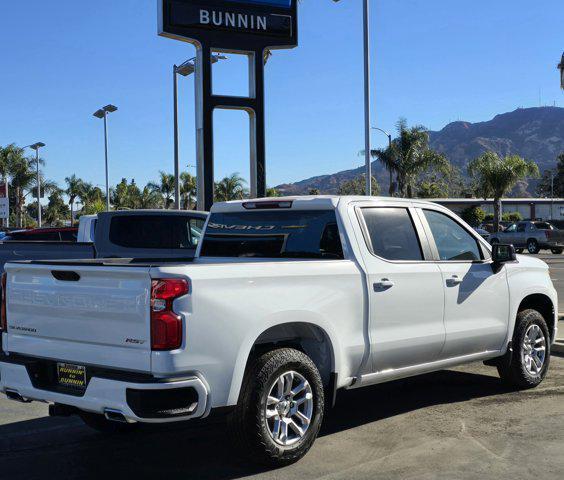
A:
(103, 114)
(36, 147)
(390, 147)
(367, 122)
(185, 69)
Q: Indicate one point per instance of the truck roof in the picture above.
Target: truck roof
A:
(306, 202)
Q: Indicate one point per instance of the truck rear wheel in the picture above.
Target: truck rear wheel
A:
(527, 365)
(556, 251)
(280, 408)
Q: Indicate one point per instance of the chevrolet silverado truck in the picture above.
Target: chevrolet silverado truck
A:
(532, 235)
(287, 301)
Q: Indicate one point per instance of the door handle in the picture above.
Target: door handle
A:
(383, 284)
(453, 281)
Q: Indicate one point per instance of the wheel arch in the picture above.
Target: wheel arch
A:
(543, 304)
(311, 338)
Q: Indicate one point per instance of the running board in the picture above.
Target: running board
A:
(395, 374)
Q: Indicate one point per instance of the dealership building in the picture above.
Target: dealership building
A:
(529, 208)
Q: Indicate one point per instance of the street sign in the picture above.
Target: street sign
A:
(231, 24)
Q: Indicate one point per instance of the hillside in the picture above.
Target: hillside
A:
(534, 133)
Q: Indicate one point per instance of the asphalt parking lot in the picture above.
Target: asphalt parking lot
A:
(454, 424)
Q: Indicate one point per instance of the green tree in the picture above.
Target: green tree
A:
(272, 192)
(230, 188)
(92, 199)
(73, 190)
(188, 188)
(164, 187)
(57, 211)
(473, 216)
(495, 177)
(409, 157)
(314, 191)
(357, 186)
(148, 199)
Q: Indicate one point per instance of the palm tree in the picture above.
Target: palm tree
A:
(165, 187)
(73, 191)
(409, 157)
(92, 199)
(148, 198)
(496, 176)
(57, 210)
(187, 189)
(230, 188)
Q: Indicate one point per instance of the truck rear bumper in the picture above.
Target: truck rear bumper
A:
(157, 402)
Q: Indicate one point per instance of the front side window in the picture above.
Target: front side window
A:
(392, 233)
(273, 234)
(452, 240)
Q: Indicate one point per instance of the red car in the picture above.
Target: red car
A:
(63, 234)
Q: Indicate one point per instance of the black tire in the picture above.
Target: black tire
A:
(512, 368)
(532, 246)
(103, 425)
(248, 424)
(556, 251)
(519, 250)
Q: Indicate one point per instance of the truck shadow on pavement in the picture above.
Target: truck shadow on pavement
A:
(64, 449)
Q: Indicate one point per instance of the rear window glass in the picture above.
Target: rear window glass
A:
(155, 231)
(273, 234)
(543, 226)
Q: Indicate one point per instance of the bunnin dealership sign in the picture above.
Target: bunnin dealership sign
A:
(236, 24)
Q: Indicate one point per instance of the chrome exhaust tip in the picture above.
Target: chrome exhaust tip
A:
(116, 416)
(14, 395)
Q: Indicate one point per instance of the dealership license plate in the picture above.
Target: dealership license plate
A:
(70, 375)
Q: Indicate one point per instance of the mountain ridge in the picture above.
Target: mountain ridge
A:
(536, 133)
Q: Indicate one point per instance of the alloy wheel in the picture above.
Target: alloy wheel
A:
(289, 408)
(533, 350)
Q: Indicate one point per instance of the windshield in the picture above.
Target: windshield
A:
(273, 234)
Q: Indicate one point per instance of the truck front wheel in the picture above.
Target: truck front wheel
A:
(527, 365)
(280, 408)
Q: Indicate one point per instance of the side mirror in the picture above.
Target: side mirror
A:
(503, 253)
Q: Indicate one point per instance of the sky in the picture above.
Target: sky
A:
(433, 62)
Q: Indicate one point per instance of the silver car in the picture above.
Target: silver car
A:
(532, 235)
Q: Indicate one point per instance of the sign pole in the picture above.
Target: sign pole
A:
(245, 27)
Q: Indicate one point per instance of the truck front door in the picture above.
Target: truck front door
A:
(405, 288)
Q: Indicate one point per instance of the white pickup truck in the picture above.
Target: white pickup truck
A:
(287, 301)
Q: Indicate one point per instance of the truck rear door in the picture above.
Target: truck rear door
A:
(83, 314)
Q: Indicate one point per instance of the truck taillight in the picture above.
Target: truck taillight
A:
(3, 320)
(166, 325)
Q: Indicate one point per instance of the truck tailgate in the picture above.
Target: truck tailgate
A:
(92, 315)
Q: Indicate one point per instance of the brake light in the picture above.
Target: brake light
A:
(267, 205)
(166, 325)
(548, 234)
(3, 319)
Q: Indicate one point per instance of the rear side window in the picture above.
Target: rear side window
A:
(154, 231)
(392, 233)
(543, 226)
(452, 240)
(273, 234)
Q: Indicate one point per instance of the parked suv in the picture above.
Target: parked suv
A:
(532, 235)
(287, 301)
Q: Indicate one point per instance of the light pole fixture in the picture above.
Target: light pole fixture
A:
(185, 69)
(102, 113)
(390, 147)
(561, 68)
(36, 147)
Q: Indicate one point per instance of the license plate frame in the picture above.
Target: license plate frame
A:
(70, 375)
